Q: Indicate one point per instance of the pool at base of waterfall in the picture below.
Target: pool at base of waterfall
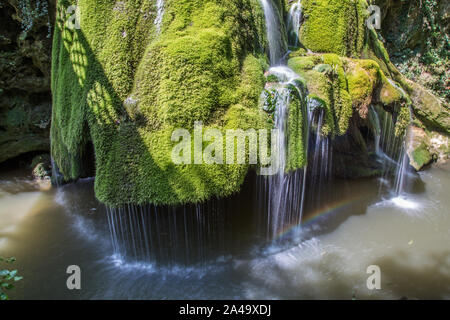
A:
(352, 229)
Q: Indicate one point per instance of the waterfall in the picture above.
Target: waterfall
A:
(284, 191)
(159, 15)
(294, 21)
(57, 177)
(391, 149)
(282, 195)
(181, 235)
(402, 172)
(319, 170)
(274, 29)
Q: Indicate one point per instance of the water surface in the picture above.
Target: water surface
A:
(353, 227)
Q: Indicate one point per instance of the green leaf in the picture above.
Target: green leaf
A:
(7, 286)
(18, 278)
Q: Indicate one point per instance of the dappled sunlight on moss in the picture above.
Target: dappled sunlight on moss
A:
(118, 83)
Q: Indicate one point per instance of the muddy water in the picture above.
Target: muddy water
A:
(351, 229)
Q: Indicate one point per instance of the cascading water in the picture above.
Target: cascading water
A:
(283, 194)
(275, 34)
(319, 170)
(391, 149)
(188, 234)
(402, 172)
(294, 21)
(159, 15)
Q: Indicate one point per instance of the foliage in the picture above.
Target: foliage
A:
(419, 45)
(7, 278)
(30, 12)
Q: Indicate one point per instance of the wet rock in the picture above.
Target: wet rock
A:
(41, 167)
(426, 147)
(25, 59)
(430, 109)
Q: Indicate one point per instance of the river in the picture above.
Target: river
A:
(354, 227)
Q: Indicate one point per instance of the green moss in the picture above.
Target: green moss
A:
(374, 49)
(296, 137)
(344, 85)
(389, 94)
(272, 78)
(126, 88)
(302, 63)
(403, 121)
(335, 26)
(362, 77)
(318, 84)
(339, 95)
(421, 157)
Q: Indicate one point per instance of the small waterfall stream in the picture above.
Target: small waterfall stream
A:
(392, 150)
(402, 173)
(159, 15)
(284, 191)
(294, 21)
(319, 170)
(275, 34)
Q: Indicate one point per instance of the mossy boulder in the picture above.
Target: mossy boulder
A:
(344, 86)
(124, 86)
(41, 167)
(334, 26)
(430, 109)
(425, 147)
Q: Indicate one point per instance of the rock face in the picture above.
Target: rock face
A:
(25, 55)
(416, 35)
(429, 109)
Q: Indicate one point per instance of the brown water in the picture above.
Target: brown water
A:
(408, 238)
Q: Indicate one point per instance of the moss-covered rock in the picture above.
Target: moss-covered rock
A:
(296, 135)
(125, 84)
(419, 148)
(430, 109)
(334, 26)
(41, 167)
(345, 85)
(363, 78)
(126, 87)
(425, 147)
